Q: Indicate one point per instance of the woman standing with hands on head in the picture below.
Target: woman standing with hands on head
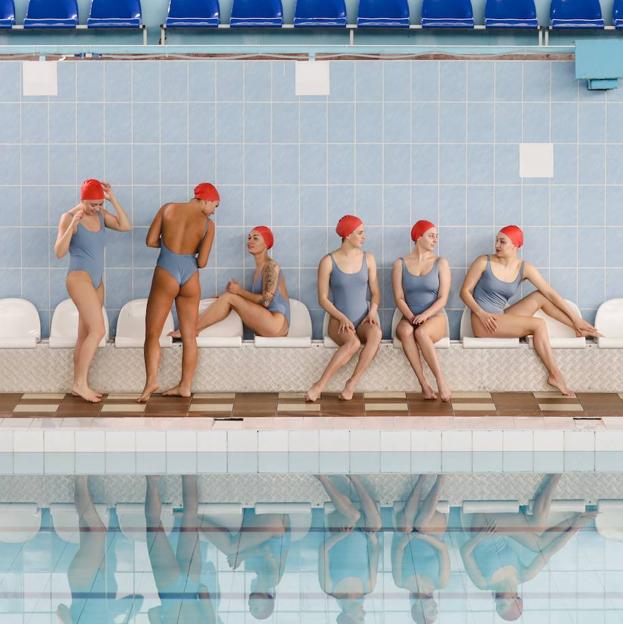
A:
(81, 232)
(421, 284)
(349, 272)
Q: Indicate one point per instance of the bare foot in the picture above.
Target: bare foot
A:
(86, 393)
(313, 394)
(148, 390)
(444, 392)
(559, 384)
(99, 394)
(428, 393)
(175, 334)
(347, 393)
(178, 391)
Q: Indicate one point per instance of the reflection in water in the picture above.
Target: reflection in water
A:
(382, 549)
(493, 554)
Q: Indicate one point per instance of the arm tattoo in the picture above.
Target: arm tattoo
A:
(270, 283)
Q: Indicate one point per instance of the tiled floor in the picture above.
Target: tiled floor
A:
(248, 405)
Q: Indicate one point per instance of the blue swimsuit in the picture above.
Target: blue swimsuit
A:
(419, 558)
(350, 291)
(495, 553)
(279, 303)
(86, 251)
(181, 266)
(349, 558)
(421, 291)
(491, 293)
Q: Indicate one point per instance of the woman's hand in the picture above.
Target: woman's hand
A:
(584, 328)
(372, 318)
(78, 215)
(108, 194)
(419, 319)
(233, 287)
(345, 325)
(489, 321)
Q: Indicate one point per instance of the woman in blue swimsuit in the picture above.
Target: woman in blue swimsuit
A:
(349, 557)
(489, 285)
(421, 284)
(420, 559)
(492, 555)
(265, 309)
(184, 233)
(81, 232)
(348, 274)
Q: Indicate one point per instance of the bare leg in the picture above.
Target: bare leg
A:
(88, 300)
(371, 336)
(426, 336)
(543, 500)
(537, 301)
(511, 326)
(406, 518)
(348, 344)
(405, 333)
(343, 505)
(187, 304)
(428, 509)
(164, 289)
(372, 517)
(256, 317)
(188, 548)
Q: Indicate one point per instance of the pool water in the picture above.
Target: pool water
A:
(195, 548)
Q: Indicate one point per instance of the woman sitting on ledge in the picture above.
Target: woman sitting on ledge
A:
(492, 280)
(265, 309)
(421, 284)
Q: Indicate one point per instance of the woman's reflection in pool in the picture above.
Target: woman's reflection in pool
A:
(349, 556)
(420, 560)
(492, 555)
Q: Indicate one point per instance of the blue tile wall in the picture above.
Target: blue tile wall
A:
(395, 141)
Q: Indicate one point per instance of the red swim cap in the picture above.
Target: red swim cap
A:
(515, 233)
(266, 233)
(206, 192)
(92, 190)
(347, 225)
(420, 228)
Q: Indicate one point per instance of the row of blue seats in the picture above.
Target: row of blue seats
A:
(324, 13)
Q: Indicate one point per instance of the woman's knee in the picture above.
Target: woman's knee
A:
(353, 344)
(96, 330)
(375, 335)
(538, 326)
(421, 333)
(404, 331)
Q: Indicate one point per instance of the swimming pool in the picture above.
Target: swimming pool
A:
(170, 553)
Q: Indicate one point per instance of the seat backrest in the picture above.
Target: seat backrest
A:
(229, 326)
(320, 9)
(300, 320)
(518, 9)
(194, 8)
(384, 8)
(103, 9)
(19, 522)
(19, 319)
(447, 8)
(609, 319)
(131, 322)
(7, 11)
(466, 324)
(65, 321)
(243, 9)
(395, 320)
(575, 9)
(53, 9)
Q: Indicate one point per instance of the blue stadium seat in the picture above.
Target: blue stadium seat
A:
(576, 14)
(617, 13)
(115, 14)
(7, 14)
(383, 14)
(320, 13)
(51, 14)
(256, 13)
(447, 14)
(193, 14)
(511, 14)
